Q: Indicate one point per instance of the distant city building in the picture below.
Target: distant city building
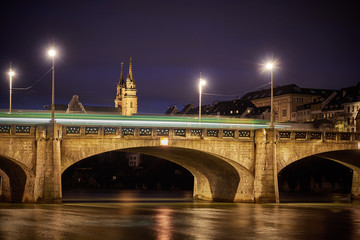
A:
(134, 159)
(236, 108)
(312, 111)
(126, 98)
(75, 106)
(337, 110)
(343, 109)
(172, 109)
(357, 120)
(259, 113)
(189, 109)
(256, 104)
(286, 100)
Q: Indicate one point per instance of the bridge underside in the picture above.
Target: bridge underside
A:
(214, 178)
(17, 180)
(349, 158)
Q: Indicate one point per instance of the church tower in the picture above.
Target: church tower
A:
(126, 98)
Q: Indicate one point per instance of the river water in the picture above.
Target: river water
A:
(174, 215)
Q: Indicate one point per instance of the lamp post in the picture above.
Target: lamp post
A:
(11, 74)
(52, 54)
(270, 67)
(201, 83)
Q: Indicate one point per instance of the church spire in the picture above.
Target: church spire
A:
(126, 99)
(121, 81)
(130, 70)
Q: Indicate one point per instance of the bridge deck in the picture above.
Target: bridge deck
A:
(137, 120)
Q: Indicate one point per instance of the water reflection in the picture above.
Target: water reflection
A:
(170, 219)
(163, 227)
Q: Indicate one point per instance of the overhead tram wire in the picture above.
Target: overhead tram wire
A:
(234, 95)
(38, 80)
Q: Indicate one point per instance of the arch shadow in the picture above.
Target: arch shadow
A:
(349, 158)
(214, 179)
(5, 194)
(17, 177)
(340, 167)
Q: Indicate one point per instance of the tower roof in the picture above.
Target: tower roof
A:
(121, 81)
(130, 70)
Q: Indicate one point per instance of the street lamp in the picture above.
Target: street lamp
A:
(201, 83)
(11, 74)
(270, 67)
(52, 54)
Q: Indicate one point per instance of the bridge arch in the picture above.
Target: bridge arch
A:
(287, 153)
(19, 179)
(215, 178)
(347, 158)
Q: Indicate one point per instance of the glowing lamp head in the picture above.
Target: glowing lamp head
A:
(269, 66)
(202, 82)
(11, 73)
(52, 52)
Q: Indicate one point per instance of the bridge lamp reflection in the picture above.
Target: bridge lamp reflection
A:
(358, 145)
(164, 141)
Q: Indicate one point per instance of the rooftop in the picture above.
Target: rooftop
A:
(287, 89)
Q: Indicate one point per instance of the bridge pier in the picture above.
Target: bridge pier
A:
(355, 188)
(48, 164)
(265, 183)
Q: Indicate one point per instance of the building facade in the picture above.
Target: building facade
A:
(234, 108)
(343, 109)
(286, 100)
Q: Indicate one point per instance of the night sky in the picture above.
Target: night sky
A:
(317, 45)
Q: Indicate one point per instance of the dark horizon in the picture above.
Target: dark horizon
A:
(315, 43)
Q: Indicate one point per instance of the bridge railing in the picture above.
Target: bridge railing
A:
(129, 132)
(20, 130)
(210, 133)
(318, 136)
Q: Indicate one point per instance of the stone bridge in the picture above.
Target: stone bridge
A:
(238, 165)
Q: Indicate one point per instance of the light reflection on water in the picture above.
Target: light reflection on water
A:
(151, 215)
